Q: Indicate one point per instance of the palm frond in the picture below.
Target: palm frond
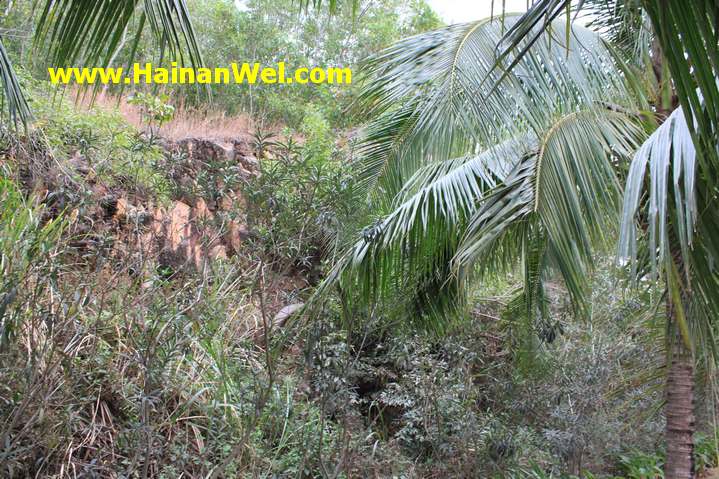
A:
(523, 34)
(492, 238)
(671, 203)
(688, 32)
(567, 185)
(623, 22)
(668, 153)
(412, 247)
(383, 139)
(472, 215)
(90, 31)
(13, 99)
(526, 315)
(432, 98)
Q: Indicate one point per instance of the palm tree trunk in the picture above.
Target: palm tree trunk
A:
(679, 408)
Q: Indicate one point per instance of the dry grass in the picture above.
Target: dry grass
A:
(207, 125)
(186, 123)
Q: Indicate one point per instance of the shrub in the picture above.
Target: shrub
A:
(297, 204)
(640, 465)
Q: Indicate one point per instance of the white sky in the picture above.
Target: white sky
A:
(458, 11)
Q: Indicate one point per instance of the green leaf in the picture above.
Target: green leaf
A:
(13, 99)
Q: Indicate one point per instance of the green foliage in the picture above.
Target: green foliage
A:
(169, 374)
(263, 32)
(706, 451)
(90, 32)
(178, 366)
(464, 402)
(535, 471)
(155, 110)
(466, 187)
(642, 466)
(117, 369)
(686, 36)
(28, 241)
(421, 19)
(298, 202)
(319, 139)
(268, 32)
(104, 141)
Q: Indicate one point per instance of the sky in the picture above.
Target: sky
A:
(458, 11)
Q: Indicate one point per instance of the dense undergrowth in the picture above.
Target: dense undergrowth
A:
(114, 368)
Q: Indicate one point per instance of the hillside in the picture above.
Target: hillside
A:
(491, 254)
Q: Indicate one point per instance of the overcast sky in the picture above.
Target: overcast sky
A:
(458, 11)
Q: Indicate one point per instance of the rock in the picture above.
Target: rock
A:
(236, 234)
(249, 163)
(124, 212)
(187, 232)
(179, 228)
(218, 252)
(235, 204)
(202, 210)
(710, 474)
(122, 207)
(141, 217)
(284, 314)
(241, 148)
(206, 150)
(109, 205)
(209, 151)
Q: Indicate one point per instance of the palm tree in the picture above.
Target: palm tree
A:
(91, 32)
(474, 166)
(476, 162)
(677, 214)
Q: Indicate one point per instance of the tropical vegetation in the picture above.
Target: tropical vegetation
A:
(493, 257)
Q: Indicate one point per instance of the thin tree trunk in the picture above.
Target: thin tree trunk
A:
(679, 408)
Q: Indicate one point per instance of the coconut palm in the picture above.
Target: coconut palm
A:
(489, 146)
(671, 187)
(474, 165)
(90, 32)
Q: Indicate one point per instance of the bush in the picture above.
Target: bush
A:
(642, 466)
(297, 204)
